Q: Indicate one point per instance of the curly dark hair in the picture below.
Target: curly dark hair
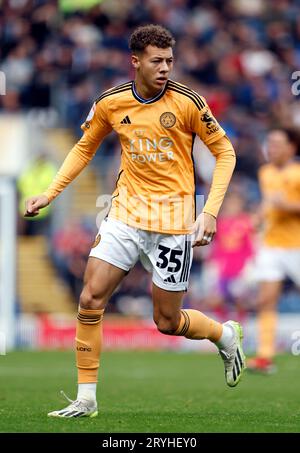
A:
(150, 35)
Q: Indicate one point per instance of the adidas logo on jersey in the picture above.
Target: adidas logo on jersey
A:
(126, 120)
(170, 279)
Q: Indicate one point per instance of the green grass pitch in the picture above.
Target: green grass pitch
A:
(148, 392)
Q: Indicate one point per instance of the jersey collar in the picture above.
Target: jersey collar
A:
(147, 101)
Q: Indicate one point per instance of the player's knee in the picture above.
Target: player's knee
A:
(92, 300)
(166, 325)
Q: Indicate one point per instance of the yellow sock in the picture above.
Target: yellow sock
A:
(267, 322)
(196, 326)
(88, 344)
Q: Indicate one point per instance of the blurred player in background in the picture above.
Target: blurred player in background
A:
(152, 216)
(280, 255)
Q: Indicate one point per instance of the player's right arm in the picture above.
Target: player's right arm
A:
(95, 128)
(203, 123)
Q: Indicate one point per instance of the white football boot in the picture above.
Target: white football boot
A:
(78, 408)
(233, 356)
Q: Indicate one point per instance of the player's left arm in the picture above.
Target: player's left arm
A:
(210, 132)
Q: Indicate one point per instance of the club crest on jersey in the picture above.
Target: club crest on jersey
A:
(167, 119)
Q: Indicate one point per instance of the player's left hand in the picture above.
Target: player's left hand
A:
(204, 229)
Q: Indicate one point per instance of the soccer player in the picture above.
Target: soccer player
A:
(279, 256)
(152, 213)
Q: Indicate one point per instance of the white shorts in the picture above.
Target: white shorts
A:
(168, 257)
(275, 264)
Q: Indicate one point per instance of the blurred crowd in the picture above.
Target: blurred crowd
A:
(239, 54)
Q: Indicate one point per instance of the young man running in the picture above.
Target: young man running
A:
(152, 216)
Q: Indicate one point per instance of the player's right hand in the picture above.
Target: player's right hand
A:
(34, 204)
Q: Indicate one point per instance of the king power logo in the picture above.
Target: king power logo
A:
(2, 84)
(151, 150)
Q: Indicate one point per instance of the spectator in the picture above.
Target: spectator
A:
(36, 177)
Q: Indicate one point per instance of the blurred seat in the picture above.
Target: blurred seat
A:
(39, 287)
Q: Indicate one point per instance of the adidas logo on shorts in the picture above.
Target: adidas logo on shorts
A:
(170, 279)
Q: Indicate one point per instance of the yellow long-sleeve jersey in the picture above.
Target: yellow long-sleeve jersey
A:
(155, 187)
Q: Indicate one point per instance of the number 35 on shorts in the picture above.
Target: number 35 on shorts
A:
(174, 263)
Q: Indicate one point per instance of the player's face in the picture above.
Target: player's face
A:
(153, 67)
(279, 149)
